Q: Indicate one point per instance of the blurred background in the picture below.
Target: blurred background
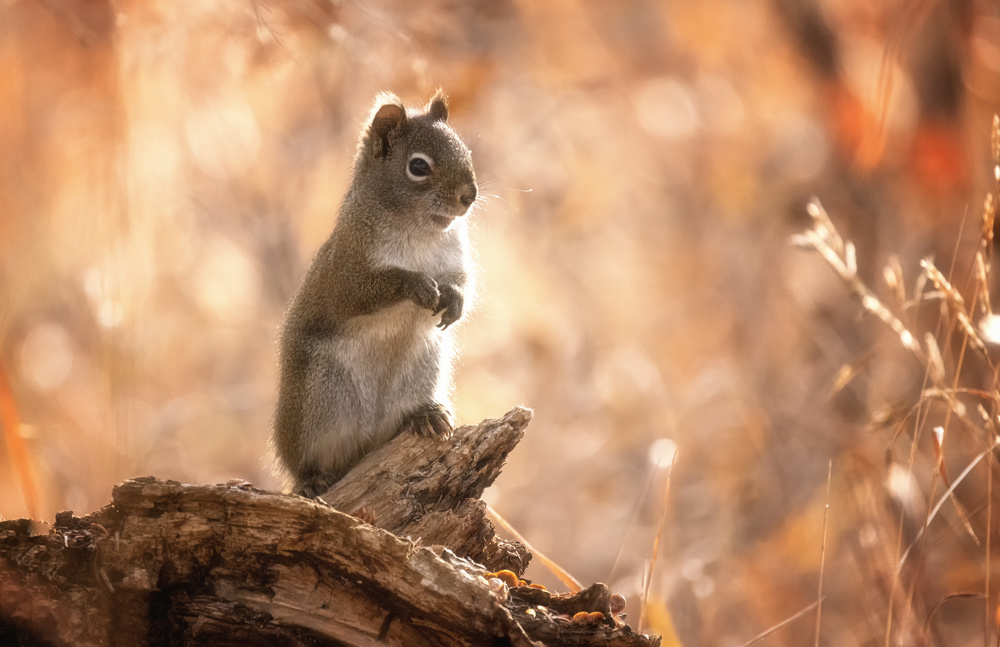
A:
(167, 171)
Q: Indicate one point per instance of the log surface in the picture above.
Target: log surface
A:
(430, 488)
(172, 564)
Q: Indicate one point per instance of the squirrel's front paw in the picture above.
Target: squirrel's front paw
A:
(425, 293)
(450, 304)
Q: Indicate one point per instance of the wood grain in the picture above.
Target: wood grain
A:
(172, 564)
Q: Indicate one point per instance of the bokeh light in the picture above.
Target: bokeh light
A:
(169, 170)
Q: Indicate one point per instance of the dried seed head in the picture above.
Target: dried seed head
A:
(935, 364)
(893, 273)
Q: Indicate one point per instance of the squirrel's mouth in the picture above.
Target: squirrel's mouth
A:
(442, 220)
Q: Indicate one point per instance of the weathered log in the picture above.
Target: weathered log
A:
(429, 488)
(173, 564)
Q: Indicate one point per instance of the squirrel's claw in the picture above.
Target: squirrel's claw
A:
(450, 305)
(428, 421)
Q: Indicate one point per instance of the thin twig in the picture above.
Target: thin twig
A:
(571, 582)
(822, 551)
(945, 497)
(989, 529)
(761, 636)
(633, 517)
(940, 603)
(656, 542)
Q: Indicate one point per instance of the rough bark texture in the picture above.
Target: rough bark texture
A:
(173, 564)
(429, 488)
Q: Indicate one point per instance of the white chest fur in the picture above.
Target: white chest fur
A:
(436, 255)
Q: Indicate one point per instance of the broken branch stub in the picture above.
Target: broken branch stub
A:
(428, 489)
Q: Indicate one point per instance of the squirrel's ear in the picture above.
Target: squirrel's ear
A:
(386, 126)
(438, 107)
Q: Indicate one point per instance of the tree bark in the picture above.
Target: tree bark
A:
(429, 489)
(173, 564)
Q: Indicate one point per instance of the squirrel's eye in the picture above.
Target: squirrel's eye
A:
(419, 167)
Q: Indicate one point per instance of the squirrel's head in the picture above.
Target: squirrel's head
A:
(415, 164)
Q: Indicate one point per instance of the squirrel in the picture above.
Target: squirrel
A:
(364, 355)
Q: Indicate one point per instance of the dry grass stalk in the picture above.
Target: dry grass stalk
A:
(944, 371)
(561, 573)
(648, 574)
(842, 257)
(822, 552)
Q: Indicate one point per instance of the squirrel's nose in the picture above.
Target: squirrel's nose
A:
(468, 195)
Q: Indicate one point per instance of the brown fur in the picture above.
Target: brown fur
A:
(365, 347)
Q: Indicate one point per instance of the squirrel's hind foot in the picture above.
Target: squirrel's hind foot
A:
(316, 485)
(428, 421)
